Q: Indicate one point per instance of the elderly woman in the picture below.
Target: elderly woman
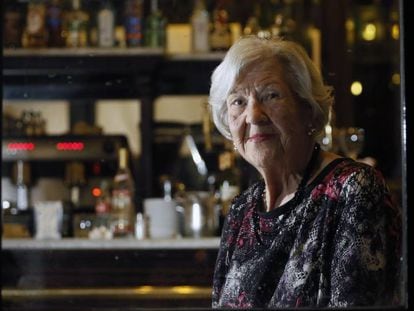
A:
(317, 230)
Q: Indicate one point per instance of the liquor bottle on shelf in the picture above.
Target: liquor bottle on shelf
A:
(284, 25)
(35, 34)
(54, 18)
(75, 180)
(106, 25)
(123, 209)
(22, 173)
(200, 23)
(76, 26)
(167, 187)
(133, 22)
(252, 26)
(17, 218)
(28, 122)
(141, 226)
(220, 35)
(155, 27)
(13, 26)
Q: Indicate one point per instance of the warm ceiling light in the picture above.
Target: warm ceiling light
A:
(369, 32)
(356, 88)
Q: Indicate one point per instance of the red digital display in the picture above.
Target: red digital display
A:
(21, 146)
(70, 146)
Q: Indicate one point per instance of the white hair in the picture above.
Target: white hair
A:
(301, 74)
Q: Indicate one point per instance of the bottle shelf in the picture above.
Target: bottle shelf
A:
(86, 51)
(110, 52)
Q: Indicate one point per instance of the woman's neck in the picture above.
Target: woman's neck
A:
(282, 181)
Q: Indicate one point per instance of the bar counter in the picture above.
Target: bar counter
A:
(120, 274)
(113, 244)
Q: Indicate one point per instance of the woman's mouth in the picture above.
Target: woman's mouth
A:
(259, 137)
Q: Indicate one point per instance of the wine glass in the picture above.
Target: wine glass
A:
(352, 141)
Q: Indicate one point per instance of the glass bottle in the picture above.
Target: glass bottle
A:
(28, 122)
(220, 35)
(155, 27)
(284, 24)
(13, 26)
(22, 172)
(106, 25)
(22, 212)
(75, 180)
(200, 22)
(103, 205)
(167, 187)
(251, 27)
(54, 20)
(103, 201)
(35, 34)
(141, 226)
(122, 224)
(76, 26)
(133, 22)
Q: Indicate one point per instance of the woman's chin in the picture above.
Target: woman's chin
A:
(261, 157)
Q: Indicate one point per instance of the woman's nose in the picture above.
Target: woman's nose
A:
(255, 113)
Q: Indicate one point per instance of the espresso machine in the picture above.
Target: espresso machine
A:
(66, 168)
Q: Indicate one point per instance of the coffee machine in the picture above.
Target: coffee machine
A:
(66, 168)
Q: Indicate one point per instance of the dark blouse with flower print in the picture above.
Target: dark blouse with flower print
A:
(336, 245)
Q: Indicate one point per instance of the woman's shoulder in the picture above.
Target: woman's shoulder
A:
(345, 171)
(360, 187)
(345, 180)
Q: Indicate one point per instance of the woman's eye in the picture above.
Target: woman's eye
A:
(237, 102)
(272, 95)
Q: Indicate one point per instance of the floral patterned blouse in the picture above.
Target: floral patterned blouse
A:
(336, 245)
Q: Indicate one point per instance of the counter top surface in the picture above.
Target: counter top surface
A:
(76, 244)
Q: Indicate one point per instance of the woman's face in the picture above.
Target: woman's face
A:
(267, 123)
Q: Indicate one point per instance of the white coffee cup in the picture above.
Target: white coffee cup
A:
(162, 218)
(48, 219)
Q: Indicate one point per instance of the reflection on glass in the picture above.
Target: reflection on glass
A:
(352, 141)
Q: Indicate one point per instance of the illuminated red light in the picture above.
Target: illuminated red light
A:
(21, 146)
(96, 192)
(70, 146)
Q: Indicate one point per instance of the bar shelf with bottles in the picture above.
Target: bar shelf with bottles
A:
(193, 26)
(136, 39)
